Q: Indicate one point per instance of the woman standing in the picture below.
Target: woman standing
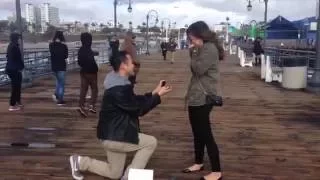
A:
(59, 54)
(14, 67)
(205, 54)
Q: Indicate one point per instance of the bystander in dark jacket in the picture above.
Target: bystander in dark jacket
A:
(59, 54)
(88, 74)
(13, 68)
(257, 50)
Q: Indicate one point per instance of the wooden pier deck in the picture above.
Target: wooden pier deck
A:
(263, 132)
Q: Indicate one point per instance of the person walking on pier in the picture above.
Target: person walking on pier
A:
(257, 50)
(129, 46)
(58, 55)
(13, 69)
(205, 55)
(118, 128)
(88, 74)
(114, 45)
(164, 49)
(172, 45)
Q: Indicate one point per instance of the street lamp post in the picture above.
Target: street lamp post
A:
(130, 25)
(253, 25)
(26, 77)
(227, 31)
(129, 8)
(314, 83)
(162, 29)
(169, 25)
(148, 16)
(115, 4)
(239, 28)
(185, 38)
(249, 7)
(19, 22)
(179, 38)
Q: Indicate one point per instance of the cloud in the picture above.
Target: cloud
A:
(180, 11)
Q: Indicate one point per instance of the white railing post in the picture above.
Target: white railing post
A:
(243, 58)
(263, 66)
(240, 56)
(268, 70)
(233, 49)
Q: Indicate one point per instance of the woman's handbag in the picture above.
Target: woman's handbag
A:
(213, 100)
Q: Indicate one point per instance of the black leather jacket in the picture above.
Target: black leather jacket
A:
(120, 111)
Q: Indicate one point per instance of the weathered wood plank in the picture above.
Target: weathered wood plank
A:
(263, 131)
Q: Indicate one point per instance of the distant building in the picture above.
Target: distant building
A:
(307, 28)
(54, 18)
(136, 30)
(49, 16)
(30, 15)
(317, 10)
(219, 27)
(12, 18)
(93, 27)
(281, 28)
(33, 17)
(38, 18)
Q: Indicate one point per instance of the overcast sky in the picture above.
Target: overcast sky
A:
(180, 11)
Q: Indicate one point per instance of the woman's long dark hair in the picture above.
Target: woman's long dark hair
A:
(201, 30)
(59, 35)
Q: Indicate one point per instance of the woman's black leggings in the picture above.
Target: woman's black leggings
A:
(200, 122)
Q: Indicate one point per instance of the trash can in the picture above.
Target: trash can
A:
(295, 71)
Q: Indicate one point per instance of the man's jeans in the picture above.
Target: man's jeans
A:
(60, 82)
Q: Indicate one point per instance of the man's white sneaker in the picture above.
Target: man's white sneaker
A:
(54, 98)
(14, 108)
(75, 167)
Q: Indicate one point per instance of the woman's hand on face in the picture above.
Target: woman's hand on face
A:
(191, 46)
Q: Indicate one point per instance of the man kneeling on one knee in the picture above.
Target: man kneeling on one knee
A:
(118, 127)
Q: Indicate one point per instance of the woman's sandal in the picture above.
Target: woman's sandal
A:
(187, 170)
(220, 178)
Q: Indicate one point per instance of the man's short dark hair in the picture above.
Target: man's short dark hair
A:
(116, 60)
